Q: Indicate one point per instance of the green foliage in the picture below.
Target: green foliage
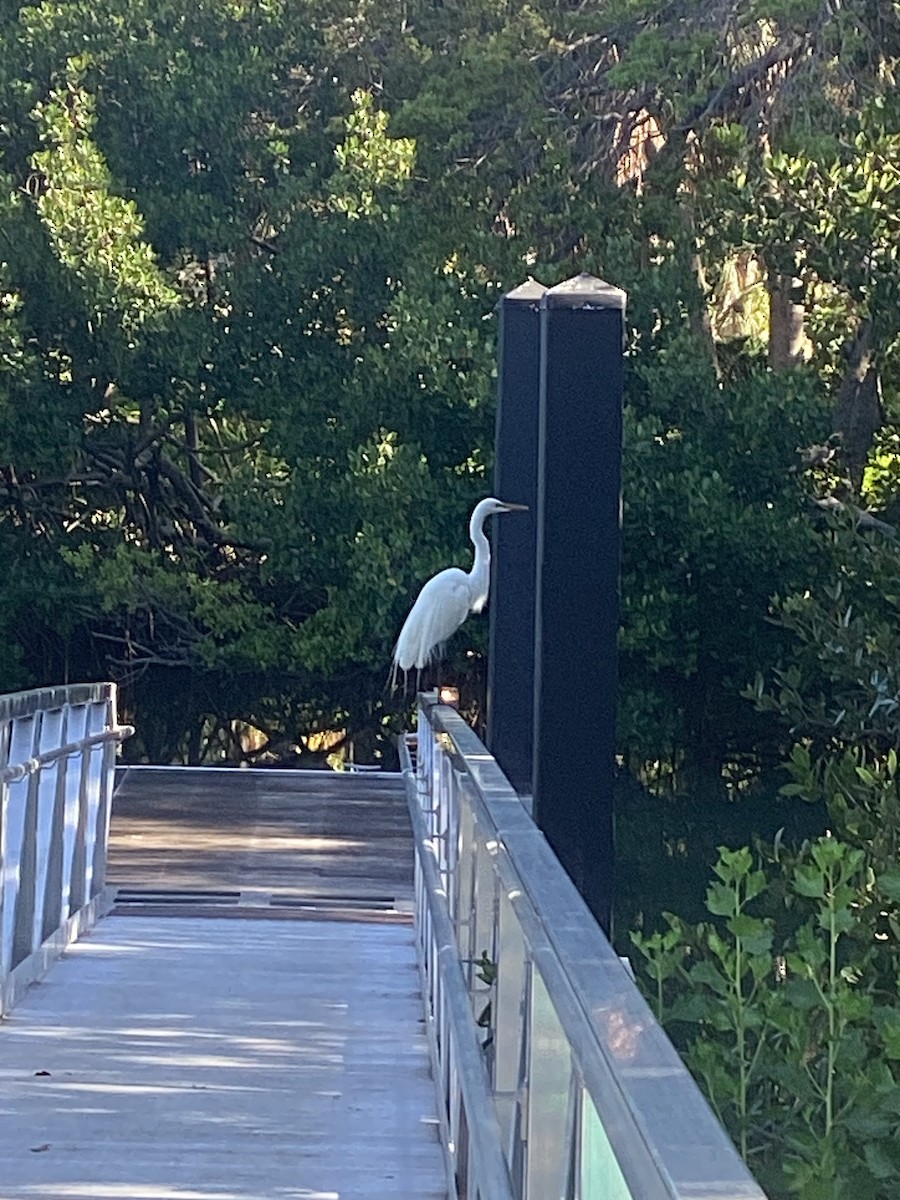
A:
(785, 1021)
(368, 160)
(841, 690)
(881, 483)
(96, 235)
(785, 1004)
(714, 524)
(250, 257)
(841, 198)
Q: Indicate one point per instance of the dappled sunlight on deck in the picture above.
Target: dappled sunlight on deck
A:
(194, 1056)
(204, 1056)
(297, 834)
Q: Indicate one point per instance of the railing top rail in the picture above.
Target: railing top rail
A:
(15, 705)
(28, 766)
(663, 1133)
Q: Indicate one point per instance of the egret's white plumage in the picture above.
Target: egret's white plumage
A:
(448, 597)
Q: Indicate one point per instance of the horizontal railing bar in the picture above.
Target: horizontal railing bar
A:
(29, 765)
(484, 1128)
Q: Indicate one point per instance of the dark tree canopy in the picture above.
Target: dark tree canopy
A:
(249, 258)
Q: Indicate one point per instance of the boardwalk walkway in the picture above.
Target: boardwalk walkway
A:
(185, 1052)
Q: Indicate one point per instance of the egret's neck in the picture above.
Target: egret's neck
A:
(481, 567)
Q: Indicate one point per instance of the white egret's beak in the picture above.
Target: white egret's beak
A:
(514, 507)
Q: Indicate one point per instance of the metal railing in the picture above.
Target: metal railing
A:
(555, 1080)
(57, 763)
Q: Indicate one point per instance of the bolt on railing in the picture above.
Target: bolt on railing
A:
(57, 764)
(572, 1090)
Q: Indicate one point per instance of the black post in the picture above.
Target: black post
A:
(577, 605)
(510, 682)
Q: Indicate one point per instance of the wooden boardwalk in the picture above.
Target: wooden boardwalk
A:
(208, 1057)
(289, 838)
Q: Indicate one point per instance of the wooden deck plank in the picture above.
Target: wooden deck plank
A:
(205, 1060)
(302, 834)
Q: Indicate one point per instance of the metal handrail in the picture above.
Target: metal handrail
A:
(30, 765)
(575, 1047)
(57, 764)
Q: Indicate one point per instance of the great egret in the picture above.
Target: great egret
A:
(448, 597)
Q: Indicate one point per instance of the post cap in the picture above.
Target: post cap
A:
(584, 291)
(528, 292)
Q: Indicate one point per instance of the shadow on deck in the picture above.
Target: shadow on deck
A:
(317, 841)
(171, 1056)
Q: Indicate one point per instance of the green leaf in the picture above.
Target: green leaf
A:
(754, 934)
(880, 1162)
(808, 881)
(801, 994)
(890, 1034)
(706, 973)
(889, 884)
(720, 899)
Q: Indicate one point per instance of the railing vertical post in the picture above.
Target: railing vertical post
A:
(78, 888)
(107, 754)
(6, 729)
(52, 734)
(55, 888)
(23, 928)
(577, 612)
(510, 681)
(19, 742)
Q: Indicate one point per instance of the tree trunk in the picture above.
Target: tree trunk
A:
(192, 445)
(786, 324)
(858, 413)
(700, 320)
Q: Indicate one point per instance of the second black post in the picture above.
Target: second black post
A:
(577, 580)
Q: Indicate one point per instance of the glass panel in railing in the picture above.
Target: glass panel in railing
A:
(483, 956)
(508, 1027)
(601, 1177)
(551, 1127)
(445, 802)
(463, 882)
(95, 762)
